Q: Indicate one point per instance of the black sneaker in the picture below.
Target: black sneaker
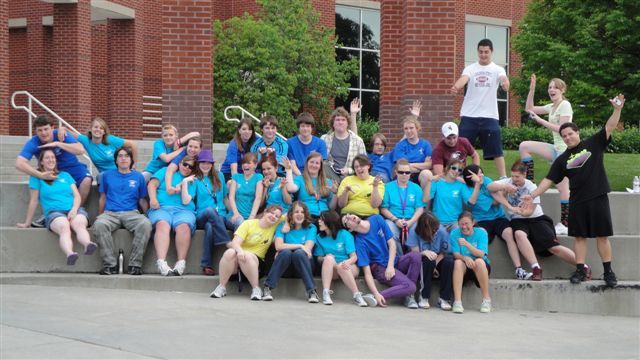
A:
(39, 222)
(610, 279)
(578, 276)
(109, 270)
(135, 270)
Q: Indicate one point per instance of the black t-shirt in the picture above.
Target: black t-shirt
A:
(584, 166)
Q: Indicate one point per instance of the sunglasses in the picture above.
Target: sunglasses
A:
(403, 172)
(189, 166)
(458, 169)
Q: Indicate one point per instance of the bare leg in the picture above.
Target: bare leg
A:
(228, 266)
(422, 178)
(84, 189)
(249, 268)
(183, 241)
(499, 161)
(61, 227)
(79, 226)
(604, 248)
(512, 247)
(459, 268)
(328, 263)
(567, 255)
(563, 189)
(162, 239)
(580, 249)
(482, 274)
(524, 245)
(528, 148)
(348, 277)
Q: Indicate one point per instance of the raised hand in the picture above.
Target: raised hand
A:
(355, 106)
(415, 108)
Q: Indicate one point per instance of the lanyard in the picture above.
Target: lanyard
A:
(403, 201)
(213, 195)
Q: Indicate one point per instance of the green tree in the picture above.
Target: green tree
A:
(594, 46)
(279, 62)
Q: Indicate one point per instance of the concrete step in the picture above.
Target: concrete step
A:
(36, 250)
(549, 296)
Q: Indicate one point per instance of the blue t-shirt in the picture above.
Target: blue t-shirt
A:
(245, 192)
(102, 155)
(164, 199)
(412, 153)
(66, 161)
(274, 196)
(479, 239)
(279, 146)
(340, 247)
(176, 160)
(123, 191)
(484, 209)
(402, 202)
(206, 197)
(439, 243)
(299, 151)
(159, 148)
(55, 196)
(234, 155)
(297, 236)
(381, 164)
(372, 247)
(316, 206)
(447, 199)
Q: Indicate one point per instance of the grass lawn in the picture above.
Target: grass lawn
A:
(621, 168)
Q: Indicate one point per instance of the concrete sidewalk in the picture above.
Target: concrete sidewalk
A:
(72, 322)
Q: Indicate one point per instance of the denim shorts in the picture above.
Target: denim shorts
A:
(489, 132)
(554, 153)
(173, 216)
(54, 214)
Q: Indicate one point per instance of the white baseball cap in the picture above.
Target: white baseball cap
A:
(449, 128)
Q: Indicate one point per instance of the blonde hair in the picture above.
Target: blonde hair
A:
(321, 181)
(104, 126)
(170, 127)
(560, 84)
(411, 119)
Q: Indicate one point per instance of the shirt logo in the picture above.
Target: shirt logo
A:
(456, 155)
(455, 193)
(340, 246)
(576, 161)
(63, 180)
(109, 152)
(132, 183)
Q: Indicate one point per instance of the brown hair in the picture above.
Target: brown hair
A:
(307, 216)
(41, 168)
(104, 126)
(268, 120)
(339, 111)
(321, 181)
(427, 225)
(249, 157)
(401, 162)
(213, 176)
(518, 166)
(305, 118)
(238, 139)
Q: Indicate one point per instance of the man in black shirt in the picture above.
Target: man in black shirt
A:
(589, 213)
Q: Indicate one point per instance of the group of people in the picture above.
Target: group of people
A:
(306, 204)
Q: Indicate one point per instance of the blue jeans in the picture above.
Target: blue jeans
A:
(396, 235)
(215, 232)
(301, 264)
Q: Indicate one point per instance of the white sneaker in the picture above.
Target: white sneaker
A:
(485, 307)
(561, 229)
(326, 297)
(370, 300)
(218, 292)
(423, 303)
(312, 296)
(444, 304)
(457, 307)
(178, 269)
(163, 267)
(357, 298)
(410, 302)
(522, 274)
(256, 294)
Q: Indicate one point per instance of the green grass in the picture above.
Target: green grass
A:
(621, 168)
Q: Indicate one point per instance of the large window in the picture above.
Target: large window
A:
(358, 33)
(499, 36)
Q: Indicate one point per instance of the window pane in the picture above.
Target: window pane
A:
(370, 105)
(348, 26)
(371, 29)
(499, 37)
(502, 113)
(343, 54)
(370, 70)
(473, 33)
(346, 101)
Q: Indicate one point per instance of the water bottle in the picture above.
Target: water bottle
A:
(636, 184)
(120, 261)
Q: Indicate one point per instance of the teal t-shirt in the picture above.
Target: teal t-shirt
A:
(297, 236)
(316, 206)
(245, 192)
(155, 164)
(479, 239)
(402, 202)
(484, 209)
(447, 200)
(340, 247)
(206, 197)
(55, 196)
(102, 155)
(274, 196)
(176, 199)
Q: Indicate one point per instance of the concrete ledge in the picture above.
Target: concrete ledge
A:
(553, 296)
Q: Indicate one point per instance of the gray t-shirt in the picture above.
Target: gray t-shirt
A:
(340, 151)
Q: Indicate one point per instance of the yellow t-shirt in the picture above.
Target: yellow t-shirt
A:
(359, 202)
(563, 109)
(256, 240)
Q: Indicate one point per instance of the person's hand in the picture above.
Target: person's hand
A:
(382, 302)
(307, 251)
(510, 189)
(532, 82)
(172, 190)
(154, 204)
(266, 182)
(617, 102)
(189, 179)
(48, 175)
(430, 255)
(389, 273)
(355, 106)
(344, 171)
(334, 188)
(285, 162)
(285, 228)
(345, 265)
(283, 182)
(474, 177)
(346, 190)
(377, 180)
(62, 132)
(462, 242)
(48, 145)
(262, 150)
(22, 225)
(235, 218)
(72, 214)
(527, 199)
(470, 263)
(415, 108)
(454, 90)
(241, 256)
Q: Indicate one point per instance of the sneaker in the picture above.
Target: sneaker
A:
(485, 307)
(178, 269)
(410, 302)
(91, 248)
(109, 270)
(423, 303)
(256, 294)
(312, 296)
(163, 268)
(537, 274)
(358, 299)
(522, 274)
(326, 297)
(561, 229)
(39, 222)
(457, 307)
(578, 276)
(135, 270)
(266, 294)
(370, 300)
(610, 279)
(208, 270)
(72, 258)
(444, 304)
(218, 292)
(587, 272)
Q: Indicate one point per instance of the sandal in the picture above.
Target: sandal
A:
(208, 270)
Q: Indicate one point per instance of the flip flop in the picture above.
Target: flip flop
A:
(90, 248)
(72, 258)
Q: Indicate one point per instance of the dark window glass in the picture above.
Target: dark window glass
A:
(343, 54)
(370, 105)
(370, 70)
(502, 112)
(348, 26)
(371, 29)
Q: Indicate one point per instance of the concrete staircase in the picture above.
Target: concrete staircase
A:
(32, 256)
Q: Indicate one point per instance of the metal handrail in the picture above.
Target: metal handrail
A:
(31, 99)
(245, 112)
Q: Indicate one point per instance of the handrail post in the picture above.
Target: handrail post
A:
(30, 116)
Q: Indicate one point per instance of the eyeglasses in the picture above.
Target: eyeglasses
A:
(458, 169)
(189, 166)
(403, 172)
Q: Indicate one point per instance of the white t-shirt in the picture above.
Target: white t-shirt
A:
(515, 198)
(481, 99)
(564, 109)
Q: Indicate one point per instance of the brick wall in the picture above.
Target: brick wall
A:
(99, 71)
(4, 67)
(152, 20)
(18, 76)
